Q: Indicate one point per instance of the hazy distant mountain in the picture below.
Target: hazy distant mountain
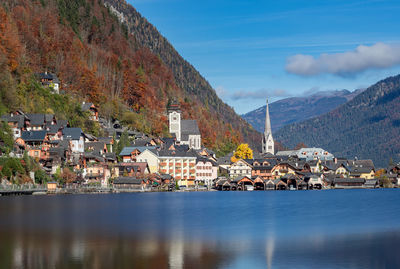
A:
(297, 109)
(367, 127)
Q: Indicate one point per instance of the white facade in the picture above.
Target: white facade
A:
(16, 132)
(206, 172)
(239, 168)
(175, 124)
(268, 141)
(180, 168)
(194, 142)
(77, 145)
(186, 131)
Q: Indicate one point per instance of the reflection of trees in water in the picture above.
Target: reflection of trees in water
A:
(34, 250)
(41, 251)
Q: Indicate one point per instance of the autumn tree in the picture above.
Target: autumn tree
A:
(243, 151)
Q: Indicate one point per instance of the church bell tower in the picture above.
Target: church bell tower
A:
(267, 141)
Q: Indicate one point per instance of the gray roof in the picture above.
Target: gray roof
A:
(128, 150)
(359, 170)
(33, 136)
(36, 119)
(72, 133)
(63, 123)
(142, 142)
(128, 180)
(107, 140)
(53, 129)
(348, 180)
(204, 160)
(19, 119)
(49, 76)
(48, 117)
(189, 127)
(86, 106)
(177, 153)
(95, 146)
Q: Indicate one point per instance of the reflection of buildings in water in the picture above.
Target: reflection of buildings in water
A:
(150, 247)
(176, 252)
(18, 255)
(78, 250)
(269, 251)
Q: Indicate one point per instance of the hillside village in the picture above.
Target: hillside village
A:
(128, 160)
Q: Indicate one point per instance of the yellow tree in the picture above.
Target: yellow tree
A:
(243, 151)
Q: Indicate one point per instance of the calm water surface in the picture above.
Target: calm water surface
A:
(288, 229)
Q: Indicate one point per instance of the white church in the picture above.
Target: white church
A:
(268, 141)
(186, 131)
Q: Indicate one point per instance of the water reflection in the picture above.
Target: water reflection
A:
(42, 251)
(210, 230)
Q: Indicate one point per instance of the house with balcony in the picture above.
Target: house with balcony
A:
(36, 143)
(181, 165)
(206, 171)
(240, 169)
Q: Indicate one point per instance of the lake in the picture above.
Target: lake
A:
(260, 229)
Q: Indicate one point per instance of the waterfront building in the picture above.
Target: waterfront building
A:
(181, 165)
(206, 170)
(239, 169)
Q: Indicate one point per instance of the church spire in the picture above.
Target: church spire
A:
(267, 129)
(268, 141)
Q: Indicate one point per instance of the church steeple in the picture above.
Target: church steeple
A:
(268, 141)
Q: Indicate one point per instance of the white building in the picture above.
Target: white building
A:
(268, 141)
(239, 168)
(308, 154)
(186, 131)
(180, 165)
(206, 171)
(76, 138)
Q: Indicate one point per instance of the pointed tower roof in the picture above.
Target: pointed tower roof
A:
(267, 129)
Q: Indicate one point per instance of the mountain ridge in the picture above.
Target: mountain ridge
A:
(296, 109)
(366, 127)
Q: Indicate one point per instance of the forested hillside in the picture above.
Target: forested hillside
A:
(366, 127)
(100, 59)
(297, 109)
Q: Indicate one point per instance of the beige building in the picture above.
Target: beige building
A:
(151, 158)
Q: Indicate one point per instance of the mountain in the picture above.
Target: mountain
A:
(297, 109)
(366, 127)
(107, 53)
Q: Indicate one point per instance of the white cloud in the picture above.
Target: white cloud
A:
(378, 56)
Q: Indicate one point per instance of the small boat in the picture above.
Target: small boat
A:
(250, 188)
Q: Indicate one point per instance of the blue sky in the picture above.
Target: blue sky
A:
(251, 50)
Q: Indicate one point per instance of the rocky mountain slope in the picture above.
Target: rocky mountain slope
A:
(107, 53)
(297, 109)
(186, 76)
(366, 127)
